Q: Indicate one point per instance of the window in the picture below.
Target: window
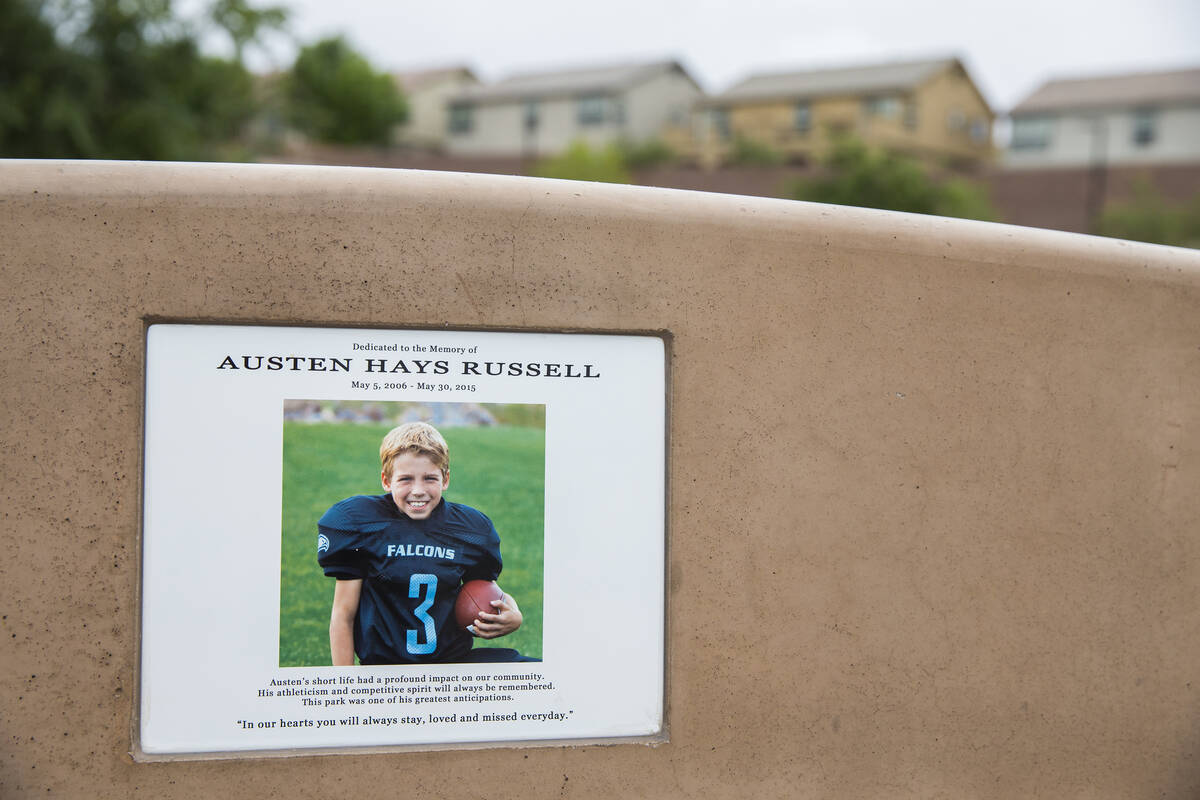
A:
(531, 115)
(718, 119)
(462, 117)
(1145, 127)
(592, 109)
(1031, 133)
(979, 130)
(881, 106)
(803, 117)
(956, 120)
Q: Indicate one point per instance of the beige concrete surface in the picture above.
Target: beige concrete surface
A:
(934, 526)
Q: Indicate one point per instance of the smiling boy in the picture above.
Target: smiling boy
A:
(399, 559)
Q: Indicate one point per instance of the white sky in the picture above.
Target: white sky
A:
(1009, 46)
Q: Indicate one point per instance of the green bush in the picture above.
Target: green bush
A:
(581, 163)
(752, 153)
(1148, 217)
(963, 199)
(857, 175)
(643, 155)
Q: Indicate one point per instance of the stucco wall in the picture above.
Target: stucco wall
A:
(1106, 136)
(950, 92)
(773, 122)
(648, 107)
(663, 100)
(932, 483)
(427, 120)
(495, 129)
(499, 129)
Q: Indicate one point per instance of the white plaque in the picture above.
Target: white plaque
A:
(253, 432)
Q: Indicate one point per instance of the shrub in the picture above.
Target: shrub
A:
(1148, 217)
(857, 175)
(651, 153)
(752, 153)
(581, 163)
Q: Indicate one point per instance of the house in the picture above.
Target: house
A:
(928, 108)
(1116, 120)
(427, 92)
(540, 114)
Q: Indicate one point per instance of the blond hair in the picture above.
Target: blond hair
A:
(419, 438)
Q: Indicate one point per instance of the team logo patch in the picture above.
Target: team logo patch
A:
(322, 543)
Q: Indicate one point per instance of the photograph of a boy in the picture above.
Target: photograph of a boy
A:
(399, 559)
(331, 455)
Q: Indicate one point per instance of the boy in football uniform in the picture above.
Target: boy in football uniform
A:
(399, 559)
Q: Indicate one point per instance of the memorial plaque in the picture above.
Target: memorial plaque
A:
(556, 441)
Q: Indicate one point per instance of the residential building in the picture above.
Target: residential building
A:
(427, 92)
(927, 108)
(540, 114)
(1115, 120)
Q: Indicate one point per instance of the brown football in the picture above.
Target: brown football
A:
(473, 597)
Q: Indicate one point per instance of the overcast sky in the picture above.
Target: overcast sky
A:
(1009, 47)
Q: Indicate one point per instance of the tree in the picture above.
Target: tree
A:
(333, 94)
(245, 24)
(46, 90)
(856, 175)
(123, 79)
(161, 98)
(580, 163)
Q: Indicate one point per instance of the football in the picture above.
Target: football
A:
(473, 597)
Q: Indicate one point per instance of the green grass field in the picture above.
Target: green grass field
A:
(499, 470)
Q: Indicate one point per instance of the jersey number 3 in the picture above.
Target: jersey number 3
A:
(415, 583)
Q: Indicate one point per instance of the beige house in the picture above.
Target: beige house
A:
(427, 92)
(931, 109)
(540, 114)
(1120, 120)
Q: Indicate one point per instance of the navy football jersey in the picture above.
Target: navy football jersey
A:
(411, 571)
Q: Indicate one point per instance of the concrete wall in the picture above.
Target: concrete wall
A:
(1061, 199)
(932, 483)
(1067, 199)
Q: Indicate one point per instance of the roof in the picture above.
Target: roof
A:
(593, 80)
(1131, 89)
(859, 80)
(414, 80)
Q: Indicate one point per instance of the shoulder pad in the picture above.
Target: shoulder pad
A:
(353, 513)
